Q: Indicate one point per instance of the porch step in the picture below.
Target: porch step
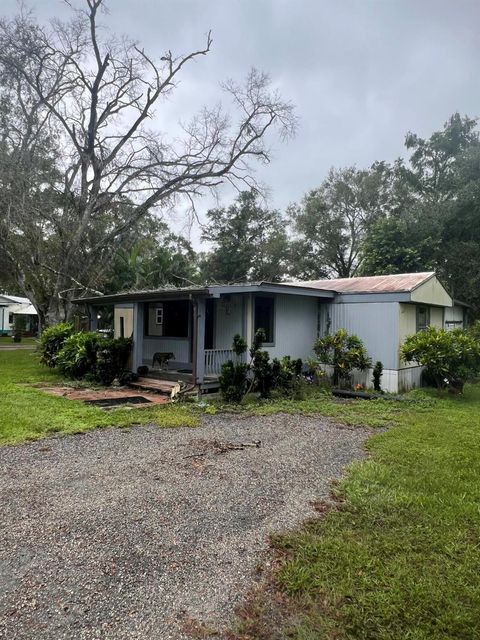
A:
(164, 387)
(169, 376)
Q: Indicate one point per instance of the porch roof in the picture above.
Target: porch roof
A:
(208, 291)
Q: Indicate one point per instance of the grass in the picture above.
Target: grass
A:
(8, 340)
(400, 556)
(28, 413)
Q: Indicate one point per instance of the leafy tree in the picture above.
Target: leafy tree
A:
(459, 263)
(344, 352)
(249, 242)
(85, 160)
(432, 171)
(438, 224)
(398, 245)
(165, 259)
(332, 221)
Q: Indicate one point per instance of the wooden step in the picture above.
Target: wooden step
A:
(165, 387)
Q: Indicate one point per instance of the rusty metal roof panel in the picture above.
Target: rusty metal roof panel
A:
(397, 283)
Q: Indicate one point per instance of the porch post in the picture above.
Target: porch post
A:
(199, 342)
(249, 320)
(93, 312)
(138, 330)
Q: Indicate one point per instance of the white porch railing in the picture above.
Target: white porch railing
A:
(214, 358)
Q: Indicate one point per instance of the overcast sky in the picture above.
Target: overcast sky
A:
(361, 73)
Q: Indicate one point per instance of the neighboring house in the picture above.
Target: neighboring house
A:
(12, 306)
(197, 324)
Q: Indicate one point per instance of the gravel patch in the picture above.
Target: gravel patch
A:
(128, 533)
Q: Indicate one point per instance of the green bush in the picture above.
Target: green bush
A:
(78, 356)
(344, 352)
(233, 379)
(112, 358)
(449, 357)
(474, 330)
(283, 375)
(377, 376)
(52, 341)
(287, 376)
(264, 374)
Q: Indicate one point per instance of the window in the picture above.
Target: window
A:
(10, 318)
(159, 315)
(122, 327)
(423, 318)
(263, 317)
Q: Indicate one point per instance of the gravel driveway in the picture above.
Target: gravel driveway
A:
(131, 533)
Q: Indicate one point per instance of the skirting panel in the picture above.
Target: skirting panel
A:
(392, 380)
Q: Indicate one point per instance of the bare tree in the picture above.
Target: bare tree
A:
(80, 133)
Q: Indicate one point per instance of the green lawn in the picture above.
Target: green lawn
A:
(399, 558)
(8, 340)
(27, 413)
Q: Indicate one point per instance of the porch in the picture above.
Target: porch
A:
(183, 339)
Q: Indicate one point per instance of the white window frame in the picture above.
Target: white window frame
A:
(159, 315)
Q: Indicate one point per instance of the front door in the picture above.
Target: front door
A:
(209, 323)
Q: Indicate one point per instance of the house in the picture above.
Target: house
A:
(12, 306)
(193, 327)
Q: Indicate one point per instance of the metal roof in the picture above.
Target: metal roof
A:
(397, 283)
(213, 290)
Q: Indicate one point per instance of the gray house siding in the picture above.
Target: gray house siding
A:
(295, 326)
(228, 320)
(376, 323)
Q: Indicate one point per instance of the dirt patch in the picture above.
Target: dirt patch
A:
(97, 395)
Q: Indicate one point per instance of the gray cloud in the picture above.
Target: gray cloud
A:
(361, 72)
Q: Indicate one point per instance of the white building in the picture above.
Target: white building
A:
(12, 306)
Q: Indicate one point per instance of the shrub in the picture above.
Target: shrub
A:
(450, 357)
(474, 330)
(52, 341)
(344, 352)
(287, 376)
(377, 375)
(78, 356)
(265, 375)
(112, 357)
(233, 379)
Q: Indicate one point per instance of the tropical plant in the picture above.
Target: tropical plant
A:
(344, 352)
(450, 358)
(78, 356)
